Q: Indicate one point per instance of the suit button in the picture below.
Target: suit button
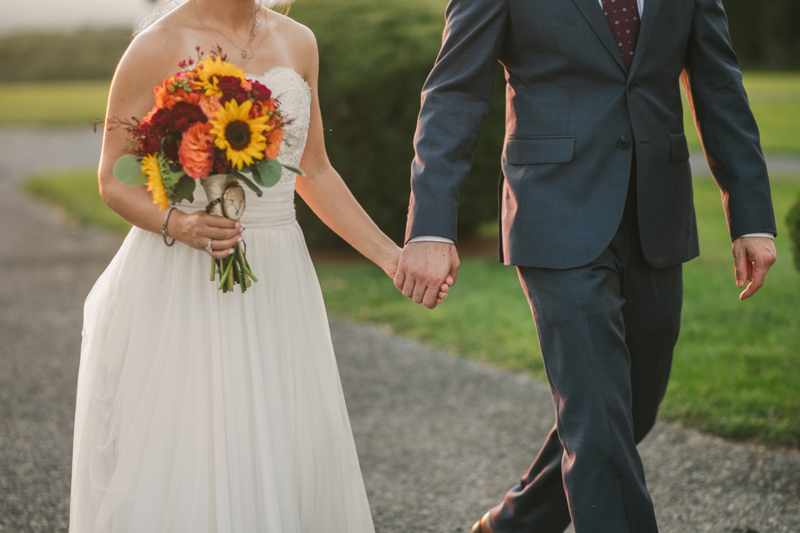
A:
(623, 142)
(631, 87)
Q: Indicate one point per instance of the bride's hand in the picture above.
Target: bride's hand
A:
(197, 229)
(389, 265)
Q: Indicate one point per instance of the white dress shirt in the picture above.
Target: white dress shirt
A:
(435, 238)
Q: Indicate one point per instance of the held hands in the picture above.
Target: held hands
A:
(752, 257)
(426, 270)
(197, 229)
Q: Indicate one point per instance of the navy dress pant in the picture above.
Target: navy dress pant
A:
(607, 332)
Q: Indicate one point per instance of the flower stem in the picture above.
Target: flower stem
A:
(226, 276)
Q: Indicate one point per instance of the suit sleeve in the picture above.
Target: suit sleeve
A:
(455, 102)
(725, 122)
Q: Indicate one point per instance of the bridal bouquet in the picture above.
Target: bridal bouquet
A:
(212, 124)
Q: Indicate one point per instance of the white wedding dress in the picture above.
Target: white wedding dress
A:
(202, 412)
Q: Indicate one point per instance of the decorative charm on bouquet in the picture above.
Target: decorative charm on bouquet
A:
(210, 123)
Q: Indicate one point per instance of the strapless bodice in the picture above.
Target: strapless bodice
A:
(275, 208)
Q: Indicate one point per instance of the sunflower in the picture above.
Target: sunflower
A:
(209, 72)
(155, 185)
(241, 136)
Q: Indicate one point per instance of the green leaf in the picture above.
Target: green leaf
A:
(184, 189)
(256, 173)
(169, 178)
(296, 170)
(244, 179)
(128, 170)
(269, 171)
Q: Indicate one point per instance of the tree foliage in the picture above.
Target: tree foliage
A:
(765, 33)
(374, 58)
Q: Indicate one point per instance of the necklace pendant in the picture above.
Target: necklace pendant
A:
(244, 54)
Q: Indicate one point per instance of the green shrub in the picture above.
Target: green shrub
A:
(374, 58)
(793, 222)
(86, 54)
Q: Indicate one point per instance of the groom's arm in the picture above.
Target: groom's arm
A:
(455, 102)
(730, 139)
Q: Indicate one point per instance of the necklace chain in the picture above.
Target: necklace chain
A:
(249, 40)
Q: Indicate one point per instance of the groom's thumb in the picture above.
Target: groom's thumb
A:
(399, 279)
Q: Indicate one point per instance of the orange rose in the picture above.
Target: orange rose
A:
(210, 105)
(167, 95)
(256, 110)
(274, 138)
(196, 151)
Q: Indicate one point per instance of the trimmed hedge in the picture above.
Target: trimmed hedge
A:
(793, 221)
(374, 59)
(86, 54)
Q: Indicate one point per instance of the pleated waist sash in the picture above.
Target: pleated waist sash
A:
(275, 208)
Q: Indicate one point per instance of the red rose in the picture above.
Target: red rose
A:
(259, 92)
(159, 120)
(221, 163)
(184, 115)
(230, 87)
(242, 96)
(151, 145)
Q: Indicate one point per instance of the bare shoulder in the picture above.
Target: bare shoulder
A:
(158, 48)
(301, 44)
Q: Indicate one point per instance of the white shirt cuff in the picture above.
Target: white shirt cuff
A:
(769, 235)
(431, 238)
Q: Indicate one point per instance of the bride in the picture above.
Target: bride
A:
(199, 411)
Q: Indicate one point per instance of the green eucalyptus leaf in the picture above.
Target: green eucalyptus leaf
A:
(296, 170)
(270, 171)
(244, 179)
(184, 189)
(128, 170)
(256, 174)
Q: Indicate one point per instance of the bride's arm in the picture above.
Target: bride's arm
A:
(143, 67)
(324, 190)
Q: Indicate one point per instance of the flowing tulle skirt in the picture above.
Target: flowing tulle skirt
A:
(199, 411)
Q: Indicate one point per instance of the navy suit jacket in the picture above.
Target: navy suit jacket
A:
(574, 115)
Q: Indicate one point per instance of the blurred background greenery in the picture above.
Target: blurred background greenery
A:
(736, 371)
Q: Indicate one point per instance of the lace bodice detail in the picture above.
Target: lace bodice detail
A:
(294, 96)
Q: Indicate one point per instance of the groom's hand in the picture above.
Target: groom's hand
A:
(752, 256)
(424, 267)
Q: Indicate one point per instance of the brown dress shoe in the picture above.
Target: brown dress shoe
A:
(482, 525)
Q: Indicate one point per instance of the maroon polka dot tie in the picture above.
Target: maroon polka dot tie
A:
(623, 19)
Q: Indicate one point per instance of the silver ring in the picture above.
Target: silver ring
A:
(209, 249)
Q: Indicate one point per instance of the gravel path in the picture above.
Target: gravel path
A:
(440, 438)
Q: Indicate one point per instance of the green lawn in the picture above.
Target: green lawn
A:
(775, 101)
(774, 96)
(62, 103)
(737, 367)
(78, 195)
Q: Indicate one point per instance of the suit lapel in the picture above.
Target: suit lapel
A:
(650, 9)
(593, 14)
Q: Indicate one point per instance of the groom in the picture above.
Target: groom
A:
(596, 214)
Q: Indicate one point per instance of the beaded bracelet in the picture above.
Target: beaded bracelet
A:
(164, 233)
